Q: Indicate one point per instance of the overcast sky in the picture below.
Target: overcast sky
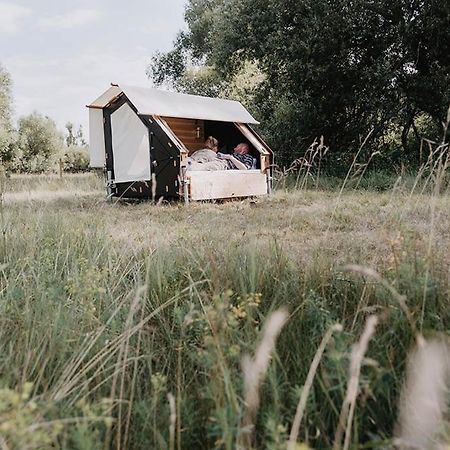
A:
(63, 54)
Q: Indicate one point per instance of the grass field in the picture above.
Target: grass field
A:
(123, 325)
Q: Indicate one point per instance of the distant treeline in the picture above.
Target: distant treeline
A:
(340, 69)
(36, 145)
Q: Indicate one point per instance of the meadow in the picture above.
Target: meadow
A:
(124, 324)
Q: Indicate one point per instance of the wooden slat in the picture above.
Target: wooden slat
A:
(187, 137)
(179, 120)
(186, 125)
(206, 185)
(186, 132)
(194, 147)
(162, 123)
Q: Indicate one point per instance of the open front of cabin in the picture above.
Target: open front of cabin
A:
(143, 137)
(204, 185)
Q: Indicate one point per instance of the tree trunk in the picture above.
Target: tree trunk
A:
(406, 128)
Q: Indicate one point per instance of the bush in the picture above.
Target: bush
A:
(76, 159)
(39, 144)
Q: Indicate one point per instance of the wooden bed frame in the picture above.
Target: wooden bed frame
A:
(207, 185)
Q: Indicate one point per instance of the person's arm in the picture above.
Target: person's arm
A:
(238, 164)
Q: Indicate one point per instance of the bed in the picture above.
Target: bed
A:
(205, 185)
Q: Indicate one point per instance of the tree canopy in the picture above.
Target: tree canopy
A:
(36, 144)
(340, 68)
(39, 143)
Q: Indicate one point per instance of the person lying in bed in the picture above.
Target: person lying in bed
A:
(208, 159)
(208, 153)
(240, 159)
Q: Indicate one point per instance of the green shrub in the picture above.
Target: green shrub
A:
(76, 159)
(39, 144)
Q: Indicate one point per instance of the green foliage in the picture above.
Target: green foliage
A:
(179, 70)
(76, 159)
(333, 69)
(169, 67)
(39, 144)
(74, 139)
(6, 131)
(202, 80)
(5, 95)
(22, 424)
(244, 85)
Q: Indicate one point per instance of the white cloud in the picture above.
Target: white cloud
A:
(71, 19)
(59, 83)
(11, 15)
(61, 89)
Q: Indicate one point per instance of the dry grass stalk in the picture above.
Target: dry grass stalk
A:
(348, 407)
(173, 420)
(133, 381)
(78, 369)
(3, 445)
(304, 165)
(121, 364)
(74, 370)
(122, 360)
(438, 173)
(254, 370)
(362, 168)
(401, 299)
(437, 162)
(344, 183)
(308, 383)
(424, 397)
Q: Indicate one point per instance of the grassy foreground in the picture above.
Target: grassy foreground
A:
(124, 325)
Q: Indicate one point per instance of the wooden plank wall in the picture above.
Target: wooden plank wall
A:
(187, 131)
(207, 185)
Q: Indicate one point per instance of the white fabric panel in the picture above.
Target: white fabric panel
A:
(96, 138)
(130, 146)
(172, 104)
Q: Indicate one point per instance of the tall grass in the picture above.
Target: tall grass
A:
(124, 326)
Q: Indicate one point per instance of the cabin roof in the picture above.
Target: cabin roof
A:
(150, 101)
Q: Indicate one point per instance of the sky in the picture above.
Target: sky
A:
(61, 54)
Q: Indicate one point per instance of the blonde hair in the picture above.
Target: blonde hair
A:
(212, 143)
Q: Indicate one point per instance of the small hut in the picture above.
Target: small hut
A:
(142, 137)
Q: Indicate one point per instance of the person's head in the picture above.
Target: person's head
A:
(242, 149)
(212, 143)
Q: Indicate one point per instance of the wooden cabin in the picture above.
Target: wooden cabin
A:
(143, 137)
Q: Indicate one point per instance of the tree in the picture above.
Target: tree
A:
(340, 68)
(70, 139)
(76, 159)
(81, 142)
(6, 129)
(76, 154)
(74, 139)
(39, 142)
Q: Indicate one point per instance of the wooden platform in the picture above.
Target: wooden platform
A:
(207, 185)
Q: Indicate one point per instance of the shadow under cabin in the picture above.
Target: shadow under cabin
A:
(142, 137)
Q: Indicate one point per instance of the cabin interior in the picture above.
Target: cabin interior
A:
(193, 132)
